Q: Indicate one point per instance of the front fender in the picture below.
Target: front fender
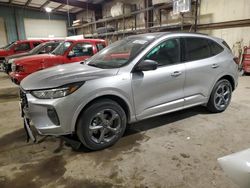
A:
(101, 93)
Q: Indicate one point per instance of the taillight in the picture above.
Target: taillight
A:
(19, 68)
(236, 60)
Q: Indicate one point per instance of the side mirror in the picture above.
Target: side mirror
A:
(71, 54)
(146, 65)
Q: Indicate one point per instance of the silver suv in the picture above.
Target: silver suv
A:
(132, 79)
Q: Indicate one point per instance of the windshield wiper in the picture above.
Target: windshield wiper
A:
(92, 65)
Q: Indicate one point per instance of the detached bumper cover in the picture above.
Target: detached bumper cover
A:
(237, 167)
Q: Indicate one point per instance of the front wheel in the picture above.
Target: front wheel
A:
(101, 125)
(220, 97)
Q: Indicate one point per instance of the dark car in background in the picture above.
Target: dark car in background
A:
(43, 48)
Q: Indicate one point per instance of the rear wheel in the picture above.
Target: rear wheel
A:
(101, 125)
(220, 97)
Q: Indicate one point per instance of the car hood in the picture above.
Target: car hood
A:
(35, 58)
(64, 74)
(17, 55)
(3, 52)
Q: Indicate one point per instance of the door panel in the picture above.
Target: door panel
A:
(201, 70)
(158, 91)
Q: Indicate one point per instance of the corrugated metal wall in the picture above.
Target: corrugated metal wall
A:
(14, 20)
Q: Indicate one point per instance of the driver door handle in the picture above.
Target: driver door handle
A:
(176, 73)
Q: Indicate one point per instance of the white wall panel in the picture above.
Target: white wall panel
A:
(212, 11)
(231, 35)
(41, 28)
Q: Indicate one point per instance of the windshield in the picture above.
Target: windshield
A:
(36, 49)
(6, 46)
(119, 53)
(10, 46)
(62, 48)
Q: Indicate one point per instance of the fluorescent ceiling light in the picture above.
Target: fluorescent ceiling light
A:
(48, 9)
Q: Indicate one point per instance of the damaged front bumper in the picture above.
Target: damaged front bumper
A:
(26, 122)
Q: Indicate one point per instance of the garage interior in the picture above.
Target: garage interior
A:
(175, 150)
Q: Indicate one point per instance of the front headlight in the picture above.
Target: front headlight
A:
(11, 61)
(13, 67)
(57, 92)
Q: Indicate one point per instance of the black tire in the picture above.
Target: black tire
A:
(92, 118)
(213, 103)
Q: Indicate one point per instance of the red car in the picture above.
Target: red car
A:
(17, 47)
(69, 51)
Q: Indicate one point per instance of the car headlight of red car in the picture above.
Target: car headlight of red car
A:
(17, 68)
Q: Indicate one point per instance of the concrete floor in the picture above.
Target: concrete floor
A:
(177, 150)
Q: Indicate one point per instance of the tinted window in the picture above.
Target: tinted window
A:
(196, 49)
(214, 47)
(166, 53)
(36, 44)
(100, 46)
(22, 47)
(83, 49)
(225, 44)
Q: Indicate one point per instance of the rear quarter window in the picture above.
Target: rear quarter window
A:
(215, 48)
(225, 44)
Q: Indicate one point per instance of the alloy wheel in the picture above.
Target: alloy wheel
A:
(222, 96)
(105, 126)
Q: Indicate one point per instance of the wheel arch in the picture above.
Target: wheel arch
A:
(122, 102)
(230, 79)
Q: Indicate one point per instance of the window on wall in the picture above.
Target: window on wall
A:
(167, 53)
(22, 47)
(83, 49)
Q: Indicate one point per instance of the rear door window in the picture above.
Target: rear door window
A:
(196, 48)
(83, 49)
